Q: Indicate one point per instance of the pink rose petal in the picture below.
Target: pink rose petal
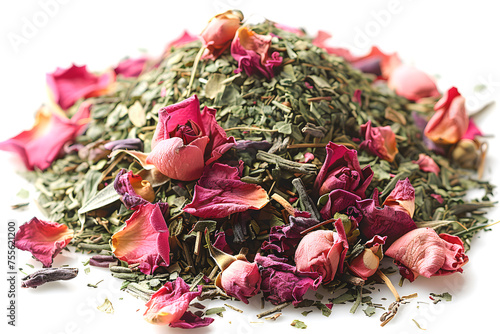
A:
(131, 67)
(427, 164)
(412, 83)
(380, 141)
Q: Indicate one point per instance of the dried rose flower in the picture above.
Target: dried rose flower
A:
(168, 306)
(427, 164)
(43, 239)
(251, 51)
(341, 170)
(323, 252)
(450, 121)
(241, 279)
(133, 189)
(44, 142)
(412, 83)
(69, 85)
(219, 33)
(131, 67)
(380, 141)
(220, 192)
(378, 63)
(402, 197)
(366, 264)
(424, 252)
(144, 238)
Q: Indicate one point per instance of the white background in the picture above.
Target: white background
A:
(454, 40)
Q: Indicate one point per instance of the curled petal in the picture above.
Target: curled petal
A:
(380, 141)
(338, 201)
(472, 131)
(220, 192)
(43, 143)
(178, 161)
(144, 239)
(450, 122)
(378, 63)
(424, 252)
(169, 304)
(427, 164)
(133, 189)
(412, 83)
(69, 85)
(402, 197)
(190, 320)
(43, 239)
(341, 170)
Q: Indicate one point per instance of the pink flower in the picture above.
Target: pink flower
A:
(424, 252)
(183, 39)
(380, 141)
(185, 141)
(293, 30)
(323, 252)
(219, 33)
(43, 143)
(378, 63)
(320, 41)
(450, 122)
(133, 189)
(69, 85)
(251, 50)
(144, 238)
(341, 170)
(472, 131)
(131, 67)
(241, 279)
(427, 164)
(402, 197)
(168, 306)
(282, 282)
(366, 264)
(339, 200)
(412, 83)
(219, 193)
(43, 239)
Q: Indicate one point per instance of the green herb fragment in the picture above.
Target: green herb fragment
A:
(369, 310)
(106, 307)
(436, 298)
(215, 310)
(305, 313)
(324, 309)
(418, 325)
(298, 324)
(23, 194)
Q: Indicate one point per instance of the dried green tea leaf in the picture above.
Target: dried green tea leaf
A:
(23, 193)
(369, 311)
(215, 310)
(137, 114)
(104, 197)
(298, 324)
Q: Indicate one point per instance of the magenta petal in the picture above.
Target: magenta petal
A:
(472, 131)
(43, 239)
(131, 67)
(220, 192)
(338, 201)
(144, 239)
(385, 221)
(219, 142)
(190, 320)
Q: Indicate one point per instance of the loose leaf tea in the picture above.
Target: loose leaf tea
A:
(256, 159)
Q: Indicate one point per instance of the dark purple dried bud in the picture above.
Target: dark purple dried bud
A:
(125, 144)
(48, 275)
(103, 261)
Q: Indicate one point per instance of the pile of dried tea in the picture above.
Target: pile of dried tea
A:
(253, 158)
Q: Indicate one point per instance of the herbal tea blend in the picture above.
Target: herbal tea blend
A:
(253, 161)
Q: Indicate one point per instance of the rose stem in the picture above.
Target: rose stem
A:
(193, 70)
(288, 207)
(328, 221)
(388, 282)
(273, 310)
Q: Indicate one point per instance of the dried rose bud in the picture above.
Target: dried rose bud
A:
(323, 252)
(366, 264)
(412, 83)
(427, 164)
(380, 141)
(125, 144)
(240, 279)
(48, 275)
(424, 252)
(466, 153)
(219, 33)
(402, 197)
(450, 122)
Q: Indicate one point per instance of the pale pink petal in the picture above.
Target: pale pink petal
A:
(412, 83)
(402, 197)
(380, 141)
(427, 164)
(241, 279)
(131, 67)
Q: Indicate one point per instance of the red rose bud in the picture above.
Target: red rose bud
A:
(341, 170)
(323, 252)
(450, 122)
(402, 197)
(241, 279)
(366, 264)
(412, 83)
(380, 141)
(219, 33)
(424, 252)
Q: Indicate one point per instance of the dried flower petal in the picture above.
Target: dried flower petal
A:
(131, 67)
(380, 141)
(241, 279)
(42, 144)
(402, 197)
(220, 192)
(43, 239)
(378, 63)
(424, 252)
(366, 264)
(133, 189)
(412, 83)
(338, 202)
(144, 239)
(427, 164)
(69, 85)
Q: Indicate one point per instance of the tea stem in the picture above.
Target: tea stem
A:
(193, 70)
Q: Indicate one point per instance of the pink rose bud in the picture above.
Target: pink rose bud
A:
(427, 164)
(366, 264)
(380, 141)
(402, 197)
(241, 279)
(412, 83)
(450, 122)
(322, 251)
(423, 252)
(219, 33)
